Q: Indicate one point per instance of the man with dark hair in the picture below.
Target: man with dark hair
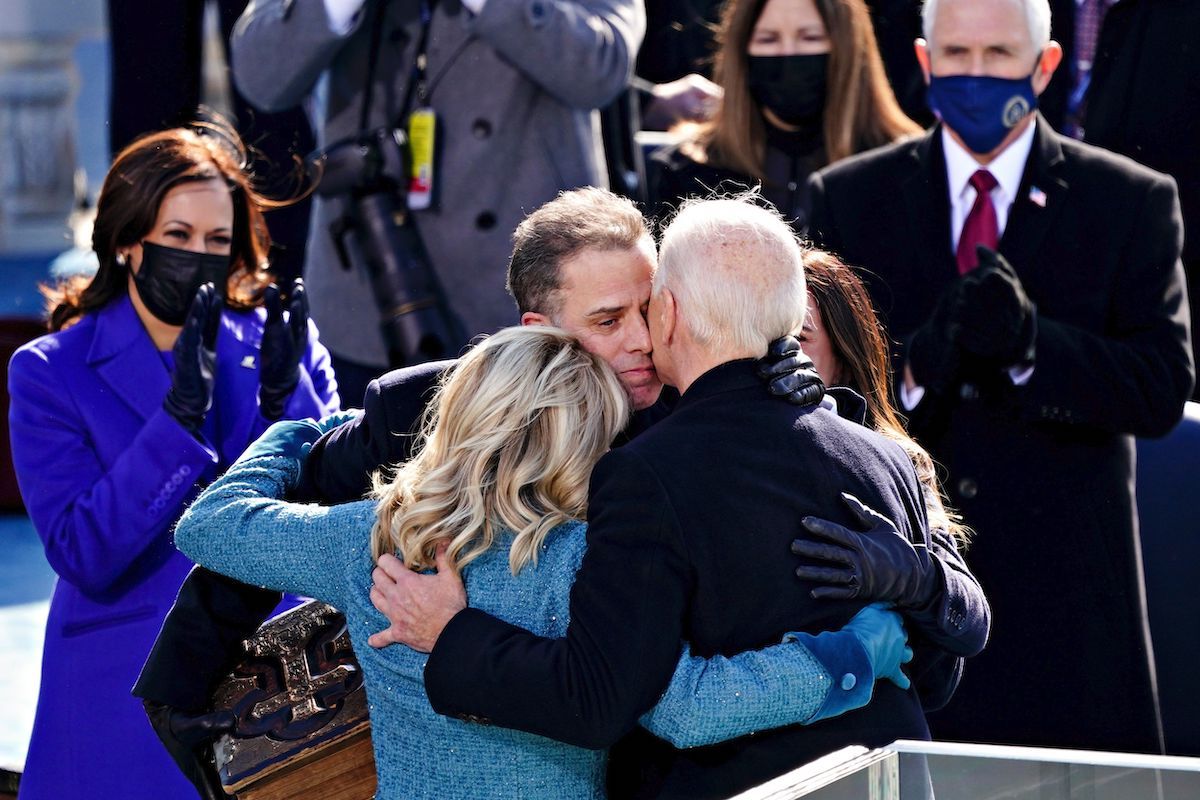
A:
(1028, 365)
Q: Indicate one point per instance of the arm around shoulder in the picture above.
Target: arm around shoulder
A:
(622, 644)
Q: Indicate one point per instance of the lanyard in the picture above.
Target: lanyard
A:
(417, 82)
(420, 61)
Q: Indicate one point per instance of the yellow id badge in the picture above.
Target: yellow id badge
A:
(422, 130)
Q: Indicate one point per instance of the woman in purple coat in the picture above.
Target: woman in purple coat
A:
(156, 375)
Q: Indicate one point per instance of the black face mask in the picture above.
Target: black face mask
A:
(793, 87)
(169, 278)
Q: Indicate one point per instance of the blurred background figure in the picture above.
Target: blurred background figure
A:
(144, 391)
(508, 91)
(156, 82)
(803, 86)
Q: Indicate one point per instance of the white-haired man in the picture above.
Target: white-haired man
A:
(1027, 373)
(687, 524)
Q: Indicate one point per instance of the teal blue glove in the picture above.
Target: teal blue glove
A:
(291, 438)
(337, 419)
(883, 637)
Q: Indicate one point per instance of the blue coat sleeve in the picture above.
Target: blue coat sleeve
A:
(96, 520)
(803, 680)
(240, 527)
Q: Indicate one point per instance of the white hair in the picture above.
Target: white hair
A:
(1037, 16)
(737, 274)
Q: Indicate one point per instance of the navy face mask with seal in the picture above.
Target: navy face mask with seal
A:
(169, 279)
(793, 87)
(981, 109)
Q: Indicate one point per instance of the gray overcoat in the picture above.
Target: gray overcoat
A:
(514, 88)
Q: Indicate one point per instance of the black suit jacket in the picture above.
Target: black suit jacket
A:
(1042, 472)
(688, 534)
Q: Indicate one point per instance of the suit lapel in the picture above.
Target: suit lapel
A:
(1039, 200)
(125, 358)
(927, 198)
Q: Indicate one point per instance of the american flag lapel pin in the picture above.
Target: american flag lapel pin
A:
(1037, 197)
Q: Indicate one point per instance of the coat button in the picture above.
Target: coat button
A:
(848, 681)
(481, 128)
(485, 221)
(968, 488)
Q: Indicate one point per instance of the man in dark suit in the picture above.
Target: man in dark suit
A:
(686, 524)
(1133, 83)
(1028, 375)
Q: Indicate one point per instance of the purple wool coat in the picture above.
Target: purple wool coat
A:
(105, 473)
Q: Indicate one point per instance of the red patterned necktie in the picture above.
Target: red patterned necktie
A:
(981, 226)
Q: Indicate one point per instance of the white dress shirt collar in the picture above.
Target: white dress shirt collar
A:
(1007, 168)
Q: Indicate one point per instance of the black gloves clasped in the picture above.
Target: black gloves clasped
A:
(284, 342)
(189, 739)
(195, 355)
(790, 374)
(933, 348)
(999, 321)
(876, 564)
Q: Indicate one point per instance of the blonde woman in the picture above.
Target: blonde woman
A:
(497, 491)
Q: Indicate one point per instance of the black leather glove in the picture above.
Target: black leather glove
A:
(189, 739)
(998, 321)
(932, 351)
(790, 374)
(195, 354)
(878, 564)
(283, 345)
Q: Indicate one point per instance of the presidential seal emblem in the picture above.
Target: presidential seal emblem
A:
(1015, 110)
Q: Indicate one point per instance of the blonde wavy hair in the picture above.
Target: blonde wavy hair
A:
(508, 443)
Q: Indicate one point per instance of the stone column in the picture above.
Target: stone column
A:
(38, 82)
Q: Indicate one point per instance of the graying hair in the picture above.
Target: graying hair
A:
(1037, 16)
(737, 274)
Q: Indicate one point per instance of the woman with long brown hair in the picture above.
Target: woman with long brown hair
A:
(804, 86)
(936, 592)
(157, 373)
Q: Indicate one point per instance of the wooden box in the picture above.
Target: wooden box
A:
(302, 725)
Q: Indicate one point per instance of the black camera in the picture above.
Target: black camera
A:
(377, 231)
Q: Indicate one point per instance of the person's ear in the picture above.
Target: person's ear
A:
(922, 50)
(534, 318)
(1048, 62)
(668, 316)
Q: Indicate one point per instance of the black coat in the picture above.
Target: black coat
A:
(1042, 472)
(1143, 100)
(688, 533)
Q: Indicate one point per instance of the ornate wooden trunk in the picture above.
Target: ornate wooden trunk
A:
(302, 725)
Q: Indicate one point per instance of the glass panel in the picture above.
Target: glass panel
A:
(948, 771)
